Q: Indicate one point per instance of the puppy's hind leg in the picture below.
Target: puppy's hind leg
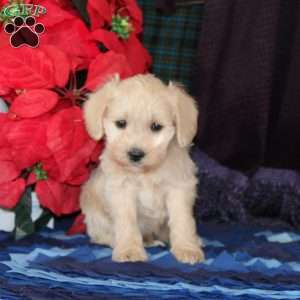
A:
(99, 224)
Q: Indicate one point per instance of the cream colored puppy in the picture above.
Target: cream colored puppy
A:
(145, 186)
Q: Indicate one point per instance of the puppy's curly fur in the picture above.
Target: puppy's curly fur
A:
(145, 186)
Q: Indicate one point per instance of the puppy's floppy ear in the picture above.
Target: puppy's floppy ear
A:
(95, 107)
(186, 114)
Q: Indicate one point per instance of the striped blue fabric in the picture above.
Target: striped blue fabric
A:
(242, 262)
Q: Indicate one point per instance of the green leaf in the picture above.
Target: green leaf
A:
(43, 220)
(23, 223)
(24, 226)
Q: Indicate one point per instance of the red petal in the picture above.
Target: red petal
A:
(78, 63)
(99, 12)
(78, 225)
(78, 176)
(4, 89)
(26, 68)
(73, 38)
(69, 142)
(31, 179)
(51, 167)
(5, 154)
(69, 168)
(62, 104)
(135, 15)
(138, 57)
(54, 15)
(27, 139)
(8, 172)
(10, 193)
(3, 129)
(61, 64)
(34, 103)
(4, 38)
(59, 198)
(97, 151)
(66, 131)
(104, 66)
(109, 39)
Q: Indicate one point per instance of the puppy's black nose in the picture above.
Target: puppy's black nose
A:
(136, 154)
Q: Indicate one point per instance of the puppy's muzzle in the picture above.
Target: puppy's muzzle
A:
(136, 154)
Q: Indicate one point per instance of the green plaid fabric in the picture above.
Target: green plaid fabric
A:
(172, 40)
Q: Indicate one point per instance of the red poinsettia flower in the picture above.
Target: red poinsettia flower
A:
(102, 12)
(43, 141)
(43, 130)
(136, 55)
(105, 65)
(68, 167)
(11, 187)
(27, 141)
(27, 68)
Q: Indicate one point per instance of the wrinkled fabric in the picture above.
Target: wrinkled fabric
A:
(265, 196)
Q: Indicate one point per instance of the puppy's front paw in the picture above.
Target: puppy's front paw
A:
(188, 255)
(130, 254)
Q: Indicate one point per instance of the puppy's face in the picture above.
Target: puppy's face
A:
(138, 126)
(140, 116)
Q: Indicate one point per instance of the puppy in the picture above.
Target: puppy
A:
(145, 186)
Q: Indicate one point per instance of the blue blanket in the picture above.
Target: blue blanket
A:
(241, 263)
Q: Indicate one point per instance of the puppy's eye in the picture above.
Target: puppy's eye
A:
(121, 124)
(155, 127)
